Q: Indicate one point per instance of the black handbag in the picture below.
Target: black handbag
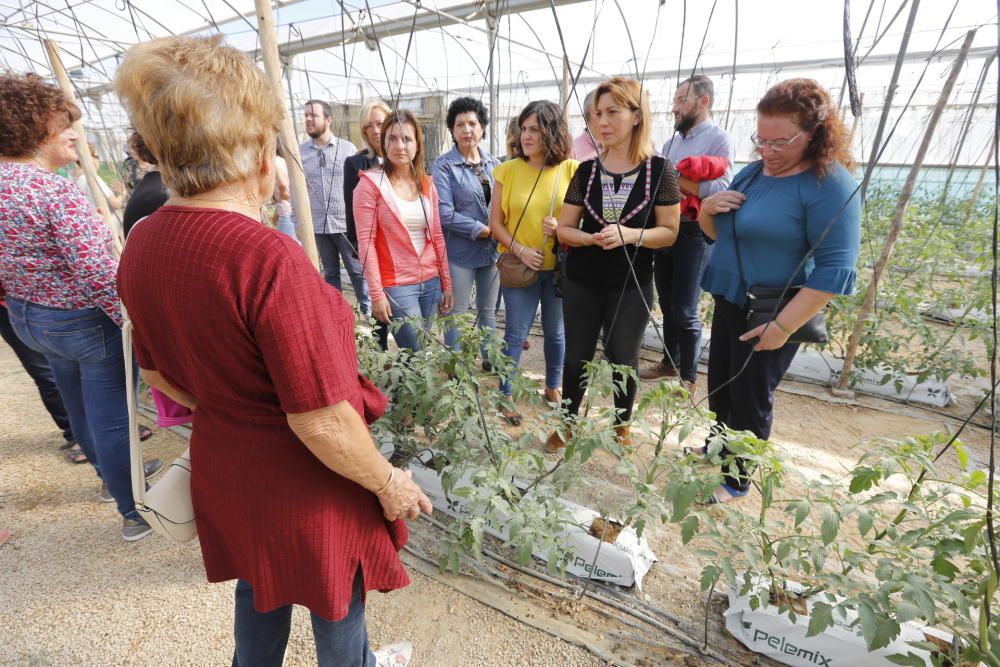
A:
(764, 303)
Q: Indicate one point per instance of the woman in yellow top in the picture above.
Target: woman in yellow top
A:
(526, 201)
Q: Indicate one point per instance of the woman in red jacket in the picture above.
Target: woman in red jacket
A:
(400, 242)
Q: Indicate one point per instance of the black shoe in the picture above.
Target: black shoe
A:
(150, 468)
(487, 367)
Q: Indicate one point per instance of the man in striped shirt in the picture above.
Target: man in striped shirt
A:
(323, 157)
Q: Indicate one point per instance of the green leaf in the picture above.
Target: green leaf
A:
(909, 660)
(689, 528)
(821, 618)
(801, 511)
(831, 524)
(709, 575)
(683, 501)
(865, 522)
(864, 478)
(907, 612)
(944, 567)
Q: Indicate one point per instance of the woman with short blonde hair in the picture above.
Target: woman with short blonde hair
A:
(619, 207)
(291, 496)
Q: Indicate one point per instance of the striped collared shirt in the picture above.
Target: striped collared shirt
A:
(324, 171)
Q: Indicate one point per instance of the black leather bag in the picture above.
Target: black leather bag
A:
(764, 303)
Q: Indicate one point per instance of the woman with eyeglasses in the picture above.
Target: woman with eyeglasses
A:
(527, 198)
(371, 118)
(618, 208)
(400, 241)
(792, 219)
(464, 180)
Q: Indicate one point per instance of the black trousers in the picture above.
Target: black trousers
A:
(742, 398)
(623, 317)
(38, 368)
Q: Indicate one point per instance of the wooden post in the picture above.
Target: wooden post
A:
(898, 217)
(966, 126)
(977, 191)
(296, 177)
(82, 149)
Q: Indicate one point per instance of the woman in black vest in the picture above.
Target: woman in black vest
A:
(619, 207)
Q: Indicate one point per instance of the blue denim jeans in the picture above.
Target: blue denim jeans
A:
(677, 271)
(522, 304)
(261, 637)
(413, 301)
(487, 287)
(286, 225)
(84, 350)
(37, 366)
(334, 247)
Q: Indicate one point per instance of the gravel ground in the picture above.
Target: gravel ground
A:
(72, 592)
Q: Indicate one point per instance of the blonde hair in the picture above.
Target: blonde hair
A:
(629, 93)
(205, 110)
(365, 116)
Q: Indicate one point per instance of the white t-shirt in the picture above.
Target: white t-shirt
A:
(415, 220)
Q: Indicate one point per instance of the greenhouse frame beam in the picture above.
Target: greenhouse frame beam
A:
(751, 68)
(426, 20)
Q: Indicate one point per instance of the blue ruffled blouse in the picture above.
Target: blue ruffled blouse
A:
(780, 220)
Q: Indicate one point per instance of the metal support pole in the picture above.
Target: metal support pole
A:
(82, 150)
(296, 177)
(492, 24)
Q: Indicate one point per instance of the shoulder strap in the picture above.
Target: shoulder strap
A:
(741, 187)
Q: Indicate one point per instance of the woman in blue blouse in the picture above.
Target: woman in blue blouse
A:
(464, 180)
(797, 203)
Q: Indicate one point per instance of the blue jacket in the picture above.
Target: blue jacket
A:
(463, 208)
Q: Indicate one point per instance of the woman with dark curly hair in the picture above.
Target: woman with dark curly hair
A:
(792, 219)
(526, 200)
(464, 180)
(58, 272)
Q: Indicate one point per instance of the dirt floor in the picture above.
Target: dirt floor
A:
(73, 593)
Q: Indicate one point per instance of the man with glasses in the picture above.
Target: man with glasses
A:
(677, 270)
(323, 157)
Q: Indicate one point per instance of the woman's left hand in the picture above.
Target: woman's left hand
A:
(446, 303)
(768, 335)
(616, 236)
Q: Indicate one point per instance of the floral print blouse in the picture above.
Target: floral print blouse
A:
(55, 250)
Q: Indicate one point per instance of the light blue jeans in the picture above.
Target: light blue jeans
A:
(487, 287)
(522, 304)
(412, 301)
(84, 350)
(286, 224)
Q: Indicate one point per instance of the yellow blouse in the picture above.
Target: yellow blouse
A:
(517, 178)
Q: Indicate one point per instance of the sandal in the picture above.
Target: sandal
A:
(4, 535)
(701, 452)
(513, 417)
(75, 454)
(145, 433)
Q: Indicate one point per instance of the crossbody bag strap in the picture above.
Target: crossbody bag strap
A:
(736, 238)
(134, 445)
(517, 225)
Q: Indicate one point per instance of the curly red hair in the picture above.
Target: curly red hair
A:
(30, 112)
(813, 110)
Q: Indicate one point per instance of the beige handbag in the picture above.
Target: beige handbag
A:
(166, 506)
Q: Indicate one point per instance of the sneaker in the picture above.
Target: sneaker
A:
(660, 371)
(394, 655)
(136, 529)
(149, 469)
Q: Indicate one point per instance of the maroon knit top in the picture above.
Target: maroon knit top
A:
(233, 313)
